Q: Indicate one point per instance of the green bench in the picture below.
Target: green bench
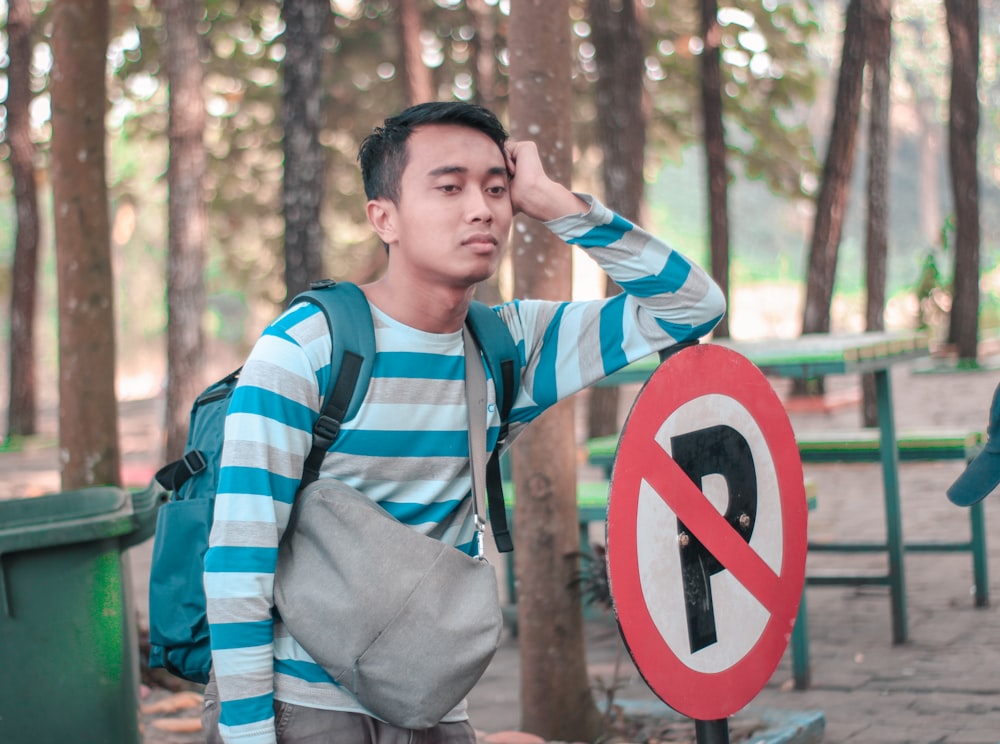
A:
(863, 446)
(840, 446)
(917, 446)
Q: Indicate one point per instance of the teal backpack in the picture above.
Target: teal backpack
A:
(178, 626)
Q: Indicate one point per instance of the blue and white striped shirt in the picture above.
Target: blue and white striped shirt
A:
(408, 446)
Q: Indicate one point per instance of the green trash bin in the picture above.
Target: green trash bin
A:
(69, 664)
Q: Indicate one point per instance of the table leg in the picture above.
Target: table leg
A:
(893, 513)
(980, 568)
(801, 672)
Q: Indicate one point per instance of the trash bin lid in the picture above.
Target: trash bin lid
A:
(68, 516)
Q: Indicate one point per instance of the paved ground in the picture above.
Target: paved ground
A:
(943, 685)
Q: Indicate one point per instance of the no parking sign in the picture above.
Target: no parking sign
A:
(707, 532)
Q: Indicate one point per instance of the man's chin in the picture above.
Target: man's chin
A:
(482, 274)
(471, 282)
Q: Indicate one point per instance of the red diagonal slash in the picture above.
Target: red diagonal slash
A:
(698, 514)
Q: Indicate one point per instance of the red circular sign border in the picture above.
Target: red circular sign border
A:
(701, 695)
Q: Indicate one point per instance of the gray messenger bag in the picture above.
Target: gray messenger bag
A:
(405, 622)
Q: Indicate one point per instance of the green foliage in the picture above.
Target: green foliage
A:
(243, 54)
(989, 313)
(777, 57)
(768, 83)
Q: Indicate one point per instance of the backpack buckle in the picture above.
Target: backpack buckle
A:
(194, 461)
(326, 427)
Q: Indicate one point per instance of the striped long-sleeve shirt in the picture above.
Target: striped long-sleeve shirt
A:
(408, 446)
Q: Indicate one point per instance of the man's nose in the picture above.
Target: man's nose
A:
(479, 208)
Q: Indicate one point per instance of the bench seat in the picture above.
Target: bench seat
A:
(592, 499)
(862, 445)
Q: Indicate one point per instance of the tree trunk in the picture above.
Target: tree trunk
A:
(715, 153)
(305, 161)
(617, 35)
(21, 409)
(556, 701)
(831, 203)
(878, 40)
(88, 410)
(485, 94)
(929, 134)
(484, 43)
(963, 134)
(416, 75)
(187, 219)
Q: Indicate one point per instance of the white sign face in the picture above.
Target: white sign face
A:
(739, 617)
(706, 532)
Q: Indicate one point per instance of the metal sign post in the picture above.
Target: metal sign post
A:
(712, 732)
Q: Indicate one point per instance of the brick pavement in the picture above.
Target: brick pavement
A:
(942, 686)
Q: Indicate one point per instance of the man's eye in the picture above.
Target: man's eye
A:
(448, 188)
(497, 190)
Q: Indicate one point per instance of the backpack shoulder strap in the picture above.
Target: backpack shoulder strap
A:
(497, 345)
(349, 318)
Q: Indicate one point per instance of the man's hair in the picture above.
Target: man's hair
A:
(383, 153)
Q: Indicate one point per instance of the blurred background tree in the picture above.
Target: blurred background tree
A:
(618, 31)
(88, 415)
(186, 221)
(963, 146)
(462, 46)
(556, 701)
(21, 411)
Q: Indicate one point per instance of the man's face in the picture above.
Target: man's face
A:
(454, 212)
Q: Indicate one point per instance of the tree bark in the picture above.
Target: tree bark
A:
(305, 161)
(929, 133)
(88, 410)
(963, 135)
(484, 43)
(878, 40)
(22, 404)
(556, 701)
(619, 44)
(831, 202)
(187, 220)
(485, 94)
(715, 153)
(416, 75)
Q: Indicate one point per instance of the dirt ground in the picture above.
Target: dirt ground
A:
(927, 394)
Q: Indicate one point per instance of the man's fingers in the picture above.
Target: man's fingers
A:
(510, 154)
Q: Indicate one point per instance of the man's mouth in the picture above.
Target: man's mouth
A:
(480, 240)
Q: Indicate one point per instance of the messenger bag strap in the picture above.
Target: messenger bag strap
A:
(475, 394)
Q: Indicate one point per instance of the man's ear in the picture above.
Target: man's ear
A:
(382, 218)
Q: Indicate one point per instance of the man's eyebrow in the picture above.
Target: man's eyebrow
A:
(444, 170)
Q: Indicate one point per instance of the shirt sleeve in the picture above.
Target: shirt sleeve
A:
(567, 346)
(268, 433)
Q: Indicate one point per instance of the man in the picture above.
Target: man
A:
(982, 475)
(443, 184)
